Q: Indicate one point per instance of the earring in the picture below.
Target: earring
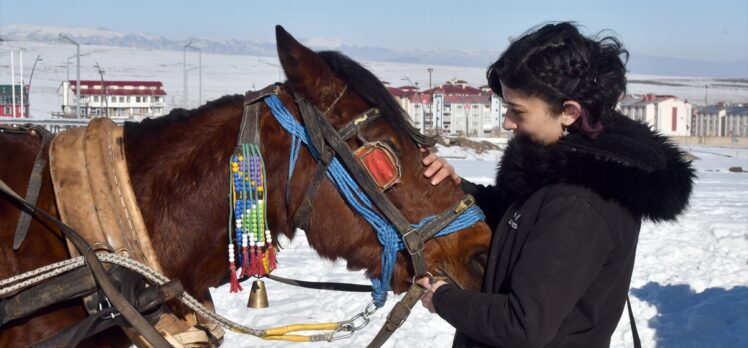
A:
(564, 131)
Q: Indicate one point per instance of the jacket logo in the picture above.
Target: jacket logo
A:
(514, 221)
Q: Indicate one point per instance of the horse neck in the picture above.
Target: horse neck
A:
(179, 169)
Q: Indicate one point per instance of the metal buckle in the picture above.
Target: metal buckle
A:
(465, 203)
(360, 120)
(427, 275)
(108, 305)
(407, 241)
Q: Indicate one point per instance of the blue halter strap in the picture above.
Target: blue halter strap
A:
(357, 199)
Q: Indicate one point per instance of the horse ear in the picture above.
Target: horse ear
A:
(307, 72)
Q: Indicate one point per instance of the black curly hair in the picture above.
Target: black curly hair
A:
(556, 63)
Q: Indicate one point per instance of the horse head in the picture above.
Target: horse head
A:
(343, 90)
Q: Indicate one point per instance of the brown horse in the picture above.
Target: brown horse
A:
(179, 169)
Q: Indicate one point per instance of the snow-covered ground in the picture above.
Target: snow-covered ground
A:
(689, 288)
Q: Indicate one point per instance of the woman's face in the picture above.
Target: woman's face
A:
(530, 116)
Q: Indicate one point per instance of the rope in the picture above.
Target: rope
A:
(356, 198)
(278, 333)
(38, 275)
(295, 147)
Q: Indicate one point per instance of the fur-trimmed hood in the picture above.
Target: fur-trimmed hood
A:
(627, 163)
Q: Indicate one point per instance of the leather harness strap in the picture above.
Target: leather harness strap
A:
(95, 195)
(413, 239)
(249, 128)
(35, 178)
(132, 316)
(398, 315)
(319, 126)
(301, 217)
(321, 285)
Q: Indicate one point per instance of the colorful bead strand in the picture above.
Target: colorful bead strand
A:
(235, 287)
(248, 203)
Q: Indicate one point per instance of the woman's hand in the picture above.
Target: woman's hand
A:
(438, 169)
(425, 282)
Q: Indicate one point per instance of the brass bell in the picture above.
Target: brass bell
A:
(258, 297)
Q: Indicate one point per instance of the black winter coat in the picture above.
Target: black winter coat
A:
(566, 219)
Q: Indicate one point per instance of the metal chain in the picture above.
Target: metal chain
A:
(357, 322)
(345, 328)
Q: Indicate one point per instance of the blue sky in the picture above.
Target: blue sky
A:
(714, 30)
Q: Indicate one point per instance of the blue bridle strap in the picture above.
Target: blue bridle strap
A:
(358, 200)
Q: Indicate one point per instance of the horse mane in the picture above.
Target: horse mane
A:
(369, 87)
(177, 116)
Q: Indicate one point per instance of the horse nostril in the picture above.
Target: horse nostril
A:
(478, 262)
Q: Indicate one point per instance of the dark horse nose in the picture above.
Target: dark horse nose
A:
(478, 263)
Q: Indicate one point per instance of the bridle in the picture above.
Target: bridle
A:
(329, 147)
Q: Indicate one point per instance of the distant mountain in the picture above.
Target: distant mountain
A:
(638, 63)
(106, 37)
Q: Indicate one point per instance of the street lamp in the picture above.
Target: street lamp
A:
(406, 78)
(200, 68)
(67, 63)
(184, 76)
(66, 38)
(31, 77)
(103, 92)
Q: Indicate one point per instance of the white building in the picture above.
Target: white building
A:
(452, 109)
(707, 121)
(664, 113)
(736, 121)
(117, 99)
(721, 120)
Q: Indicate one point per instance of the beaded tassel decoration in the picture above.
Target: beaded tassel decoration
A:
(253, 238)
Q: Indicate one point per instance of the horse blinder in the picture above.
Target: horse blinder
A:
(380, 163)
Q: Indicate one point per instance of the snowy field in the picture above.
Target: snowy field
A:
(689, 287)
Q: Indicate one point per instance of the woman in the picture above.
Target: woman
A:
(571, 192)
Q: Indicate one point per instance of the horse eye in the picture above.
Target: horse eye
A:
(392, 145)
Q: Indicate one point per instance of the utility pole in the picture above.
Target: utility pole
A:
(66, 38)
(13, 81)
(430, 71)
(20, 78)
(185, 99)
(200, 77)
(706, 95)
(200, 71)
(104, 97)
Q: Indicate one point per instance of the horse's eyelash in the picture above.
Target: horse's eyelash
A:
(393, 147)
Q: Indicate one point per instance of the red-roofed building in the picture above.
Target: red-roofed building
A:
(452, 109)
(116, 99)
(450, 89)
